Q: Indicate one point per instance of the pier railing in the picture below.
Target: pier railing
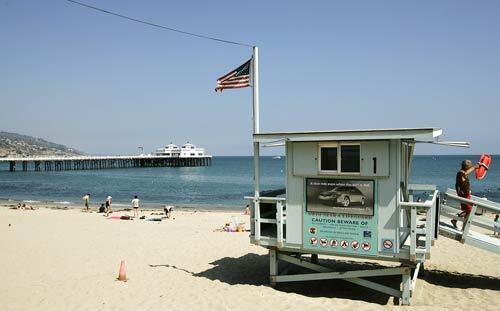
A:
(64, 163)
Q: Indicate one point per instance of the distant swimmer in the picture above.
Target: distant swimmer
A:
(462, 186)
(86, 201)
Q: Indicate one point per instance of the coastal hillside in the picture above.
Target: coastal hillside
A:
(12, 144)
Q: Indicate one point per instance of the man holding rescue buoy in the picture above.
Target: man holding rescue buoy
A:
(462, 186)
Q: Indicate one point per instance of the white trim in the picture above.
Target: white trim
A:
(328, 145)
(350, 135)
(437, 132)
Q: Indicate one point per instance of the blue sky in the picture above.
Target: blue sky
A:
(106, 85)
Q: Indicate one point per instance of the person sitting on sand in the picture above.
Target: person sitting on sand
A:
(108, 205)
(247, 210)
(135, 206)
(27, 207)
(462, 186)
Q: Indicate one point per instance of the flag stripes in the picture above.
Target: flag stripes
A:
(238, 78)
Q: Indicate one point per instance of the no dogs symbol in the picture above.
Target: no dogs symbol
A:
(365, 246)
(355, 244)
(344, 244)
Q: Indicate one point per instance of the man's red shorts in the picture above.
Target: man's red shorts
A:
(464, 206)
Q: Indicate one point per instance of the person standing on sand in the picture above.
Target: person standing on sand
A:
(86, 201)
(496, 226)
(462, 186)
(108, 205)
(135, 206)
(168, 210)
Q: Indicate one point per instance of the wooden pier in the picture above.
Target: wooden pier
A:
(101, 162)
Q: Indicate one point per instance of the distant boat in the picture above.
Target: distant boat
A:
(185, 151)
(277, 157)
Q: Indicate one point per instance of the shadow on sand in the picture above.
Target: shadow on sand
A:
(253, 269)
(460, 280)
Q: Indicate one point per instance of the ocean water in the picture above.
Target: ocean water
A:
(222, 185)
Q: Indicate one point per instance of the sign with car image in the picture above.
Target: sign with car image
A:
(340, 216)
(340, 196)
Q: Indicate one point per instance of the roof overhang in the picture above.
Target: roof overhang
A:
(428, 133)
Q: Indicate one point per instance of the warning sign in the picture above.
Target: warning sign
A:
(323, 242)
(388, 245)
(344, 244)
(355, 244)
(332, 227)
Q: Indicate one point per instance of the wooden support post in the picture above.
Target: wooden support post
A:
(413, 234)
(12, 166)
(467, 223)
(256, 211)
(406, 286)
(279, 224)
(273, 266)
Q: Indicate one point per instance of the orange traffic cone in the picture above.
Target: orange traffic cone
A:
(121, 275)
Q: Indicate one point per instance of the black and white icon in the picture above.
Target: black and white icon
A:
(387, 244)
(313, 241)
(334, 243)
(344, 244)
(323, 242)
(366, 246)
(355, 244)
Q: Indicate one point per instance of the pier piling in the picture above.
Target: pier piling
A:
(103, 162)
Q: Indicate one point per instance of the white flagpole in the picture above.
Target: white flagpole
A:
(255, 76)
(256, 129)
(256, 151)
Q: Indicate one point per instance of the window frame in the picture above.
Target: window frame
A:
(340, 158)
(337, 145)
(328, 145)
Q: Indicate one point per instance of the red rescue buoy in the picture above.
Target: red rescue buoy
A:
(484, 165)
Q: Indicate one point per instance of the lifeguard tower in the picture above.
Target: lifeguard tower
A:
(348, 194)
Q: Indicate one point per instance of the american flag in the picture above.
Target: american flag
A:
(238, 78)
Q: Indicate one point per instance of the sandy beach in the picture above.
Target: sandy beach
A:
(69, 260)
